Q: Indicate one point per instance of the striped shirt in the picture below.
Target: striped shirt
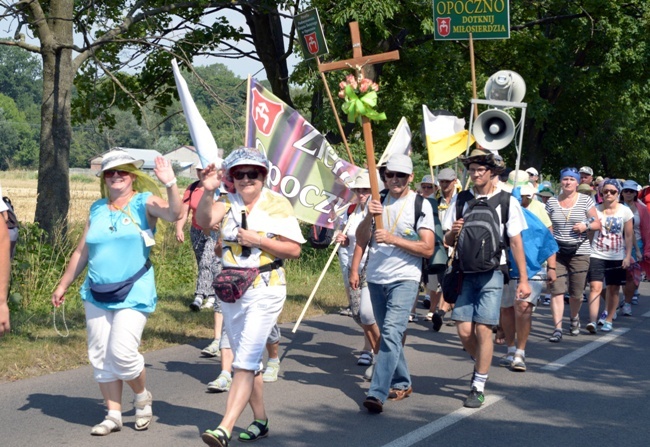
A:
(563, 220)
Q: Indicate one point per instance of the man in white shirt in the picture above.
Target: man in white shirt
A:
(478, 305)
(393, 275)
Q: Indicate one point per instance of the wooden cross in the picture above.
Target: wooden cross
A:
(358, 62)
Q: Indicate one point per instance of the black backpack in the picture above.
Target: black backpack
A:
(320, 237)
(12, 220)
(479, 242)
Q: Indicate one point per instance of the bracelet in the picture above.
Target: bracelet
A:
(171, 183)
(550, 268)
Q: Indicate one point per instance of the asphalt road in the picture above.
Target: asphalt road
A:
(587, 390)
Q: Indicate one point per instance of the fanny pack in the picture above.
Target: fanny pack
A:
(116, 292)
(568, 249)
(232, 282)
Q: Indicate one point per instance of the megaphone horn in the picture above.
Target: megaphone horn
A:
(493, 129)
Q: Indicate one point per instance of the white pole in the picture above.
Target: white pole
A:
(322, 275)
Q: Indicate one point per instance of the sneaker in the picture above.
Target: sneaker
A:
(546, 301)
(221, 383)
(209, 303)
(518, 364)
(607, 327)
(413, 318)
(212, 350)
(627, 309)
(366, 358)
(602, 318)
(196, 304)
(367, 375)
(426, 303)
(436, 319)
(575, 326)
(584, 298)
(345, 312)
(474, 399)
(271, 372)
(635, 299)
(592, 328)
(506, 361)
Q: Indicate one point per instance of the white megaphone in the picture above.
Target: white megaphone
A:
(493, 129)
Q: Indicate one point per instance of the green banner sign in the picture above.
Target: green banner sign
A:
(484, 19)
(310, 34)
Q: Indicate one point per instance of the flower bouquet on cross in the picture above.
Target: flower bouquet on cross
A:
(360, 95)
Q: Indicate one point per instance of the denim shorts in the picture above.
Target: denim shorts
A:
(480, 299)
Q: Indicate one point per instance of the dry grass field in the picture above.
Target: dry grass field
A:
(20, 187)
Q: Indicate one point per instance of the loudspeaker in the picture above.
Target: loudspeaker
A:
(493, 129)
(505, 85)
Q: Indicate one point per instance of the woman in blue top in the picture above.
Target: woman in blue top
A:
(115, 247)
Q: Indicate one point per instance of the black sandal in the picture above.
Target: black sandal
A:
(256, 430)
(216, 438)
(556, 337)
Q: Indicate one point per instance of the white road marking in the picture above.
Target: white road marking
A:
(440, 424)
(647, 314)
(575, 355)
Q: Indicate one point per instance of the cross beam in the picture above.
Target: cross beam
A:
(357, 63)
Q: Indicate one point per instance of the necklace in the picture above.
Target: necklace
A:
(111, 206)
(567, 216)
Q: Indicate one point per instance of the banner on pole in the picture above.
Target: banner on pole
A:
(484, 19)
(310, 34)
(304, 167)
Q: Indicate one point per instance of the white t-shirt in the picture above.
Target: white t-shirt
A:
(354, 220)
(609, 241)
(516, 220)
(387, 263)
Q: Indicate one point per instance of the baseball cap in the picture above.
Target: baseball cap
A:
(532, 171)
(586, 170)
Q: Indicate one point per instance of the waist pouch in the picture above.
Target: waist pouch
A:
(232, 282)
(116, 292)
(568, 249)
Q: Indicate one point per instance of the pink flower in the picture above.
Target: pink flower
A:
(342, 85)
(352, 81)
(342, 94)
(365, 84)
(375, 86)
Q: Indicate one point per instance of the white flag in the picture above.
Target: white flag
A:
(400, 142)
(203, 140)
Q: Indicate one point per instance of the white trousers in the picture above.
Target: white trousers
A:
(249, 321)
(113, 341)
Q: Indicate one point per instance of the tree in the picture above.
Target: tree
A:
(86, 44)
(585, 65)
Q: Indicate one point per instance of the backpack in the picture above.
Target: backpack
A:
(12, 220)
(437, 263)
(320, 237)
(479, 242)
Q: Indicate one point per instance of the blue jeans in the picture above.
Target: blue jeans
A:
(391, 304)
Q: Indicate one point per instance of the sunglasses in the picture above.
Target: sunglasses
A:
(628, 191)
(252, 175)
(396, 174)
(111, 172)
(609, 191)
(569, 169)
(426, 187)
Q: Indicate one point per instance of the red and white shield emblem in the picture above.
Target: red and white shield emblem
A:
(312, 43)
(265, 112)
(444, 25)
